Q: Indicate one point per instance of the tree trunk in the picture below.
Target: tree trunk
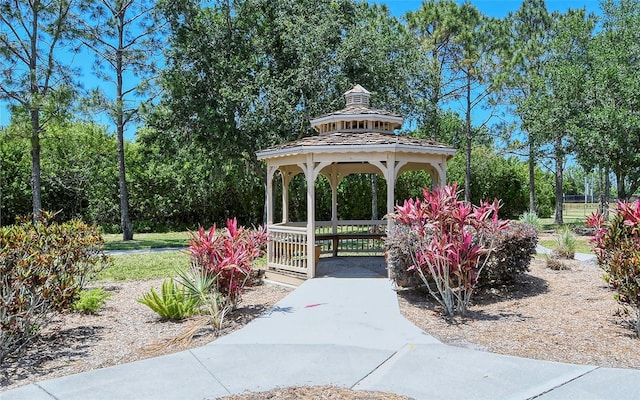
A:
(36, 189)
(467, 172)
(532, 177)
(601, 200)
(125, 220)
(607, 191)
(622, 191)
(559, 170)
(34, 90)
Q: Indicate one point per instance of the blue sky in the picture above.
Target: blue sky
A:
(493, 8)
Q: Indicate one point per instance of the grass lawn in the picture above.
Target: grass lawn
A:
(146, 241)
(129, 267)
(582, 244)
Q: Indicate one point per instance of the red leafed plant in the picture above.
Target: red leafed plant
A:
(227, 254)
(616, 243)
(448, 254)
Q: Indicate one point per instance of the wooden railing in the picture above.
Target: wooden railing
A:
(358, 236)
(287, 248)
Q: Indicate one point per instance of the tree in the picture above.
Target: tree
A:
(246, 75)
(32, 34)
(610, 132)
(522, 52)
(557, 102)
(124, 36)
(472, 62)
(433, 83)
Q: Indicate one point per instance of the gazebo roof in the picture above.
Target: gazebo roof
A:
(357, 128)
(356, 142)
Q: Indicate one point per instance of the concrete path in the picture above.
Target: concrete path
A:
(344, 332)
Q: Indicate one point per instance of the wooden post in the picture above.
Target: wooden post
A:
(311, 217)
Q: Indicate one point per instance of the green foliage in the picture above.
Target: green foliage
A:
(493, 176)
(567, 243)
(201, 285)
(513, 250)
(610, 121)
(174, 301)
(43, 267)
(90, 301)
(532, 219)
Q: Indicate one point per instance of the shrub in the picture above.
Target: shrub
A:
(616, 244)
(513, 249)
(566, 245)
(90, 301)
(445, 249)
(554, 263)
(399, 246)
(173, 302)
(201, 286)
(532, 219)
(227, 254)
(43, 267)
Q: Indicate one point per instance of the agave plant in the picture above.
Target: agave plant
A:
(173, 302)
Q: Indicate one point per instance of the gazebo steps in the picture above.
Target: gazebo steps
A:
(285, 277)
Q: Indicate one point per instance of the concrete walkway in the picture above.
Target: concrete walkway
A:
(344, 332)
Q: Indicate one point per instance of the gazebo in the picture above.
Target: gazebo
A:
(357, 139)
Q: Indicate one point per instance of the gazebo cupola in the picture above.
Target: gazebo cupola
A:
(357, 116)
(354, 140)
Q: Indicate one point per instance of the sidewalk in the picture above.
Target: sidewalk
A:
(343, 332)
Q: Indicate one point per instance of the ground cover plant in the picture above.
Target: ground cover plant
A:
(616, 244)
(90, 301)
(44, 265)
(454, 243)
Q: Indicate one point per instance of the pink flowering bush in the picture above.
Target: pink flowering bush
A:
(227, 254)
(616, 243)
(452, 245)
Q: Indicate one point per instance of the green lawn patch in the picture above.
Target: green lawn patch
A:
(130, 267)
(582, 244)
(146, 241)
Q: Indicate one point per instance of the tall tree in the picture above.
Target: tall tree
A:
(473, 64)
(32, 36)
(558, 103)
(245, 75)
(610, 134)
(433, 81)
(125, 37)
(522, 54)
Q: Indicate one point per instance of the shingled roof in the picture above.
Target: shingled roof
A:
(352, 142)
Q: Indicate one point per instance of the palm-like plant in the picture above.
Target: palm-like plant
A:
(173, 302)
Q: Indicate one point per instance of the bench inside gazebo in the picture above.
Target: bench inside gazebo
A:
(358, 139)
